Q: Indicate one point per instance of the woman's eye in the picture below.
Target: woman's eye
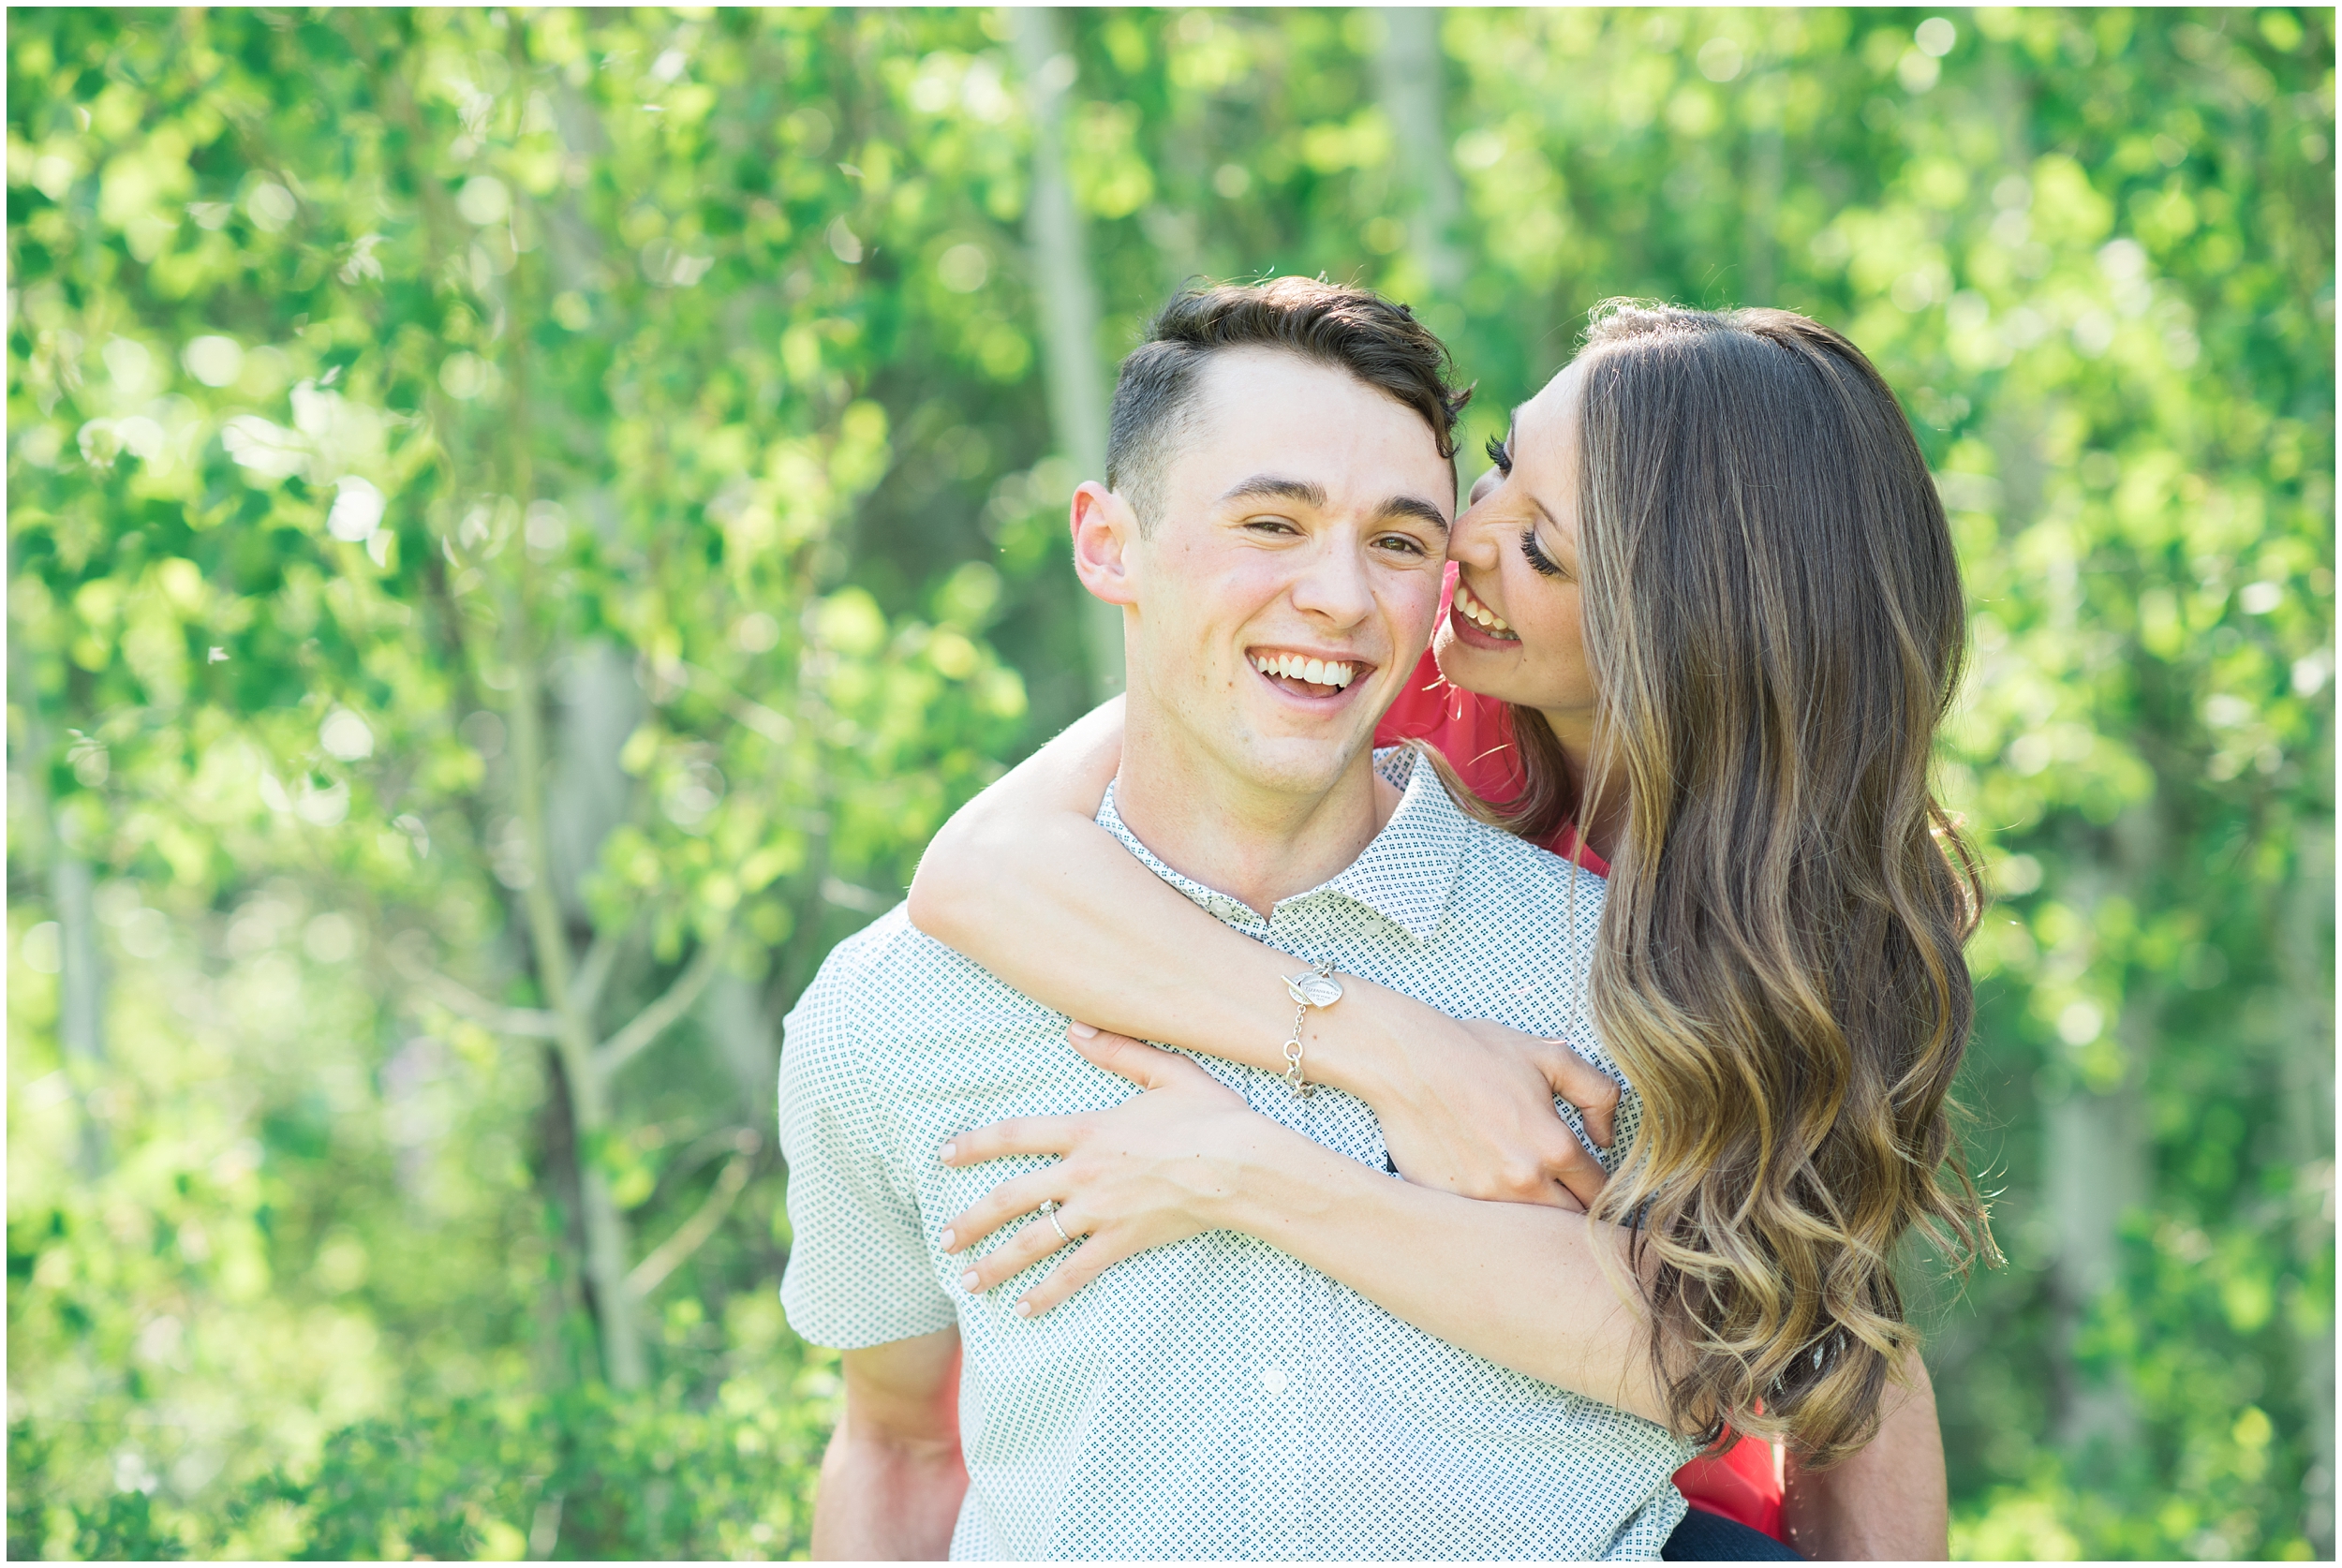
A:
(1502, 456)
(1539, 562)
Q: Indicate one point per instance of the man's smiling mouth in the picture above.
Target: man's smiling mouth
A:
(1308, 676)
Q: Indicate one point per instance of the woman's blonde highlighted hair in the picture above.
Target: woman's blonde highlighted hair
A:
(1774, 617)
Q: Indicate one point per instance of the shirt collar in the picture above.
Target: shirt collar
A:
(1406, 873)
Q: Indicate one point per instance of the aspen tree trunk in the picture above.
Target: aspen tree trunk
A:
(599, 704)
(81, 987)
(1763, 210)
(2096, 1154)
(2304, 946)
(72, 901)
(2098, 1165)
(1065, 298)
(605, 1228)
(1407, 78)
(2093, 1173)
(734, 1018)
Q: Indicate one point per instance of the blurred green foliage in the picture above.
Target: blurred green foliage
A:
(521, 522)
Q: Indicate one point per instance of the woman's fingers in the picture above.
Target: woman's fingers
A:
(1576, 1172)
(1017, 1135)
(1141, 1064)
(1003, 1205)
(1077, 1268)
(1585, 1086)
(1134, 1060)
(1034, 1240)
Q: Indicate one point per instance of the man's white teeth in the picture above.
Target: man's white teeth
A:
(1316, 672)
(1480, 613)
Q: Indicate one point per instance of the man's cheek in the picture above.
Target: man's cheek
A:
(1413, 622)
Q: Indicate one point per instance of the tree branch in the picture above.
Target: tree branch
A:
(533, 1022)
(693, 1232)
(749, 712)
(652, 1021)
(594, 973)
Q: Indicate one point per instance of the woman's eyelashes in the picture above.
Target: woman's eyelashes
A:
(1501, 456)
(1539, 562)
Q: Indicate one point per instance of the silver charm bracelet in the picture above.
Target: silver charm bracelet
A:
(1313, 987)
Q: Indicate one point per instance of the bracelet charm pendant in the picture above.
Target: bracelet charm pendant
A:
(1313, 987)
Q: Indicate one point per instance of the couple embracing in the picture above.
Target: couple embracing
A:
(1555, 951)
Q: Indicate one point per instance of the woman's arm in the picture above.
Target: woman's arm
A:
(1024, 882)
(1521, 1284)
(1886, 1503)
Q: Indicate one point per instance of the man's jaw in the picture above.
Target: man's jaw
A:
(1319, 679)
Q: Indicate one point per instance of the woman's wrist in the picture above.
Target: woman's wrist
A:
(1369, 1044)
(1264, 1178)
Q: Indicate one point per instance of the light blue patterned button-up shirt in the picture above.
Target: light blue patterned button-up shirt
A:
(1215, 1397)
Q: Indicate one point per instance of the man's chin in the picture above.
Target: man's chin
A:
(1293, 765)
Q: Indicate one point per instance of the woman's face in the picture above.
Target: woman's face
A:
(1515, 631)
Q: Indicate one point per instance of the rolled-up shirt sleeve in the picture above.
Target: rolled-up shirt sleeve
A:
(860, 1272)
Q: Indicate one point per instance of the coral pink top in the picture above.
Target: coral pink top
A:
(1476, 734)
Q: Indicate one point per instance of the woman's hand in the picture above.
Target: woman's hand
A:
(1148, 1172)
(1467, 1108)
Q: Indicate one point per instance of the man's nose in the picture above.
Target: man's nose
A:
(1333, 584)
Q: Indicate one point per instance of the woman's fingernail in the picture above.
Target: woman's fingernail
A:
(968, 1281)
(1080, 1030)
(1024, 1308)
(948, 1153)
(950, 1241)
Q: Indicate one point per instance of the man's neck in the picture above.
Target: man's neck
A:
(1256, 845)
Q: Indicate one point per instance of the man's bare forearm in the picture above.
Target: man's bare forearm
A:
(1887, 1502)
(883, 1501)
(893, 1477)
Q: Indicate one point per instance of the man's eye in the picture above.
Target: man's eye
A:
(1271, 524)
(1402, 543)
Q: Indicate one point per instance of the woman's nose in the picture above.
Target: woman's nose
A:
(1473, 541)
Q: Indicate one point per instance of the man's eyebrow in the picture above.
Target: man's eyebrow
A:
(1417, 508)
(1273, 487)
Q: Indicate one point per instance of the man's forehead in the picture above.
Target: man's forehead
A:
(1258, 411)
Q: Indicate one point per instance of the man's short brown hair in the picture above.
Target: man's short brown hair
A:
(1356, 329)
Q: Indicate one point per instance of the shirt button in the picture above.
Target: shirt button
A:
(1273, 1379)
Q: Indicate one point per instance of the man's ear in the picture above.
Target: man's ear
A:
(1105, 534)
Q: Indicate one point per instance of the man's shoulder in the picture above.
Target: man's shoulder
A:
(1505, 868)
(892, 979)
(891, 938)
(1496, 860)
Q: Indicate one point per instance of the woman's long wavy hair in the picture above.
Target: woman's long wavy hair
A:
(1773, 618)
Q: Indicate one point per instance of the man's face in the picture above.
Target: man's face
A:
(1292, 579)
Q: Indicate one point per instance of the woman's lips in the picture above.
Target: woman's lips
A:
(1478, 625)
